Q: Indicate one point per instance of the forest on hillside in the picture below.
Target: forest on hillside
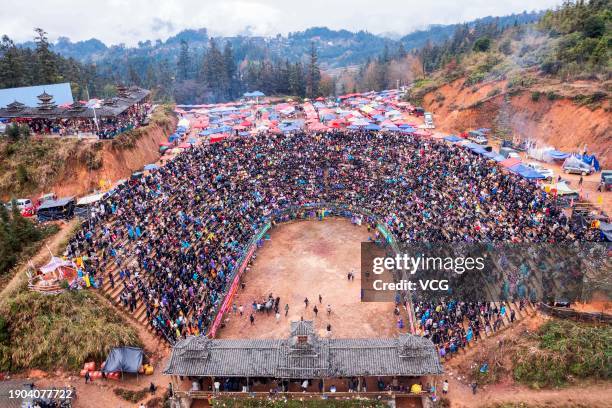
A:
(193, 68)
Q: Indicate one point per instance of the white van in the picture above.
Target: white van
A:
(22, 204)
(428, 116)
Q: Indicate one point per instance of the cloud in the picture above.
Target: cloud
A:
(130, 21)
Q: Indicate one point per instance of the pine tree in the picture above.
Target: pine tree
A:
(401, 52)
(314, 73)
(45, 64)
(184, 63)
(231, 90)
(11, 65)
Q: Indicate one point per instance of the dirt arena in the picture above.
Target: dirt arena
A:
(304, 259)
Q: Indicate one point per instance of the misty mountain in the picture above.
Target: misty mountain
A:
(336, 48)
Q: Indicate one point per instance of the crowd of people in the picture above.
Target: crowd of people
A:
(107, 127)
(452, 325)
(178, 233)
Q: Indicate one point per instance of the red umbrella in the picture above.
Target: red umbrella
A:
(165, 144)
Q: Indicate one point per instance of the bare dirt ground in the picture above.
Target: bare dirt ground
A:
(305, 259)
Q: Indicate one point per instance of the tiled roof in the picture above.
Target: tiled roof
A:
(304, 355)
(118, 107)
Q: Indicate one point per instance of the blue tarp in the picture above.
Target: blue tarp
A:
(214, 131)
(151, 167)
(475, 147)
(124, 359)
(591, 161)
(526, 172)
(372, 126)
(557, 155)
(453, 138)
(494, 156)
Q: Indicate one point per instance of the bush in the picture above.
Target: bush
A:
(535, 96)
(565, 349)
(131, 396)
(551, 95)
(474, 78)
(12, 132)
(482, 44)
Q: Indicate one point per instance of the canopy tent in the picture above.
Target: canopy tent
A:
(217, 138)
(56, 209)
(123, 359)
(254, 94)
(184, 123)
(150, 167)
(560, 189)
(606, 230)
(83, 205)
(214, 131)
(494, 156)
(557, 155)
(476, 148)
(591, 161)
(512, 161)
(526, 172)
(54, 264)
(451, 138)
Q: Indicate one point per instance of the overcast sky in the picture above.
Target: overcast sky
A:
(130, 21)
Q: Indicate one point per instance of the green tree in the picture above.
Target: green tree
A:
(482, 44)
(184, 62)
(46, 64)
(12, 132)
(314, 73)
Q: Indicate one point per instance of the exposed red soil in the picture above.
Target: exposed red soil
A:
(560, 123)
(117, 163)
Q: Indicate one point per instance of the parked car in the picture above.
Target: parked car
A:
(577, 169)
(480, 139)
(548, 173)
(22, 204)
(509, 153)
(25, 206)
(606, 179)
(428, 117)
(477, 136)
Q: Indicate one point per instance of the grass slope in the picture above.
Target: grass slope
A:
(63, 331)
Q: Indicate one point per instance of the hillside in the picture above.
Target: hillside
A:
(70, 166)
(551, 113)
(549, 83)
